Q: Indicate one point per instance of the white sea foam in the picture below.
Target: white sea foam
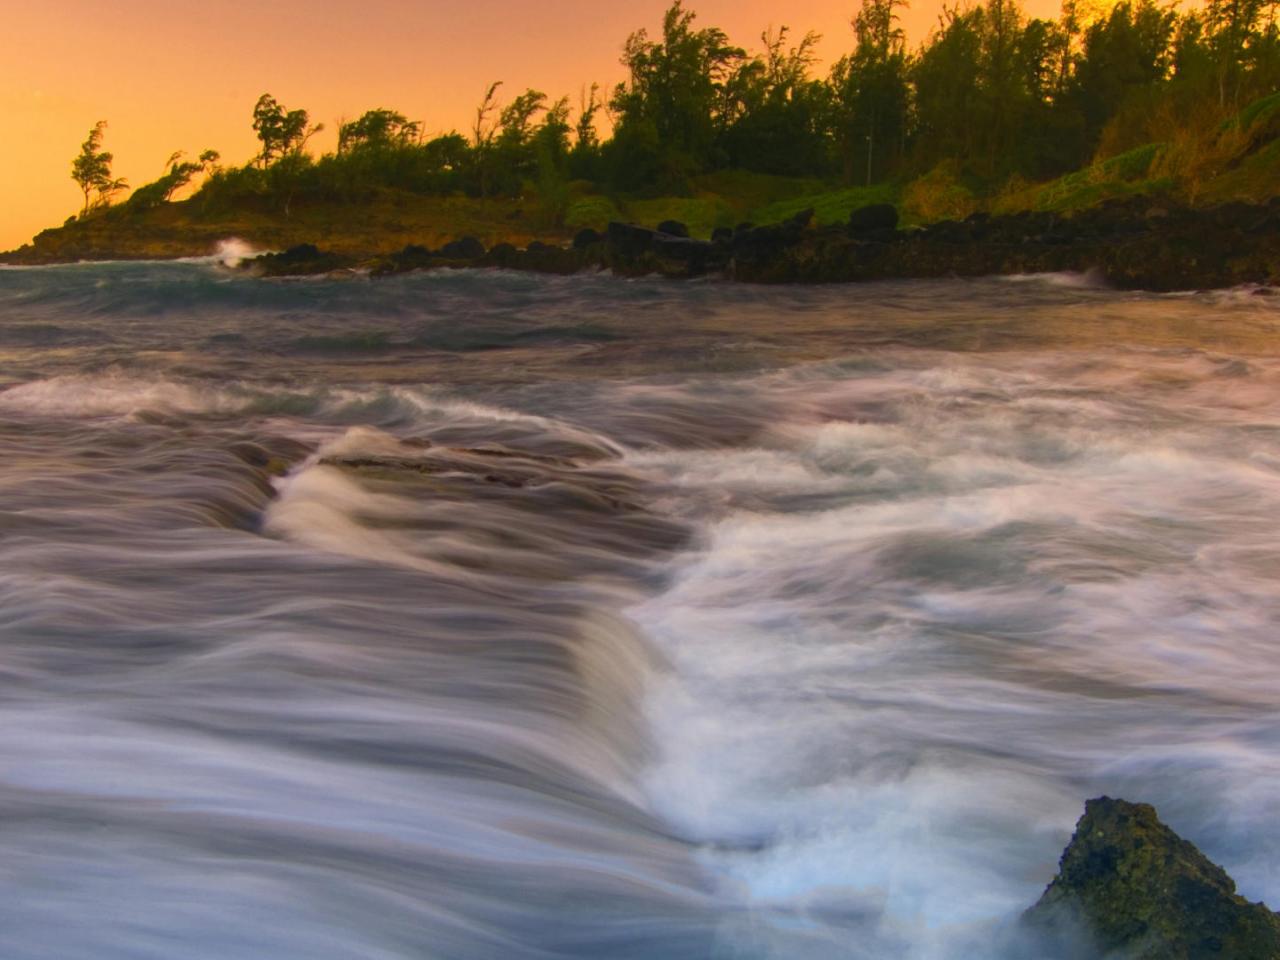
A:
(899, 701)
(928, 602)
(1088, 280)
(230, 252)
(407, 408)
(94, 396)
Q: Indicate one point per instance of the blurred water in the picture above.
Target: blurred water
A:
(482, 615)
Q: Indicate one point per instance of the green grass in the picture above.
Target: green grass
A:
(1126, 174)
(1259, 112)
(592, 211)
(832, 206)
(700, 214)
(1134, 164)
(747, 190)
(1255, 179)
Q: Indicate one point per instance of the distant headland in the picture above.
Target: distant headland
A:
(1143, 143)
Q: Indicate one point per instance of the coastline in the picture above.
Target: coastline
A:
(1134, 243)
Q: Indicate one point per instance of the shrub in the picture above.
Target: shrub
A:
(595, 212)
(940, 194)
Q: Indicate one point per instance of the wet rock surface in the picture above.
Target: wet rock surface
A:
(1138, 891)
(1137, 243)
(303, 260)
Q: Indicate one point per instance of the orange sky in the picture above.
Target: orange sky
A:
(185, 76)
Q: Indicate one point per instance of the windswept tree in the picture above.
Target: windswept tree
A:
(178, 174)
(378, 129)
(507, 139)
(772, 115)
(586, 138)
(282, 132)
(91, 170)
(668, 109)
(483, 132)
(872, 93)
(513, 152)
(551, 152)
(584, 157)
(515, 120)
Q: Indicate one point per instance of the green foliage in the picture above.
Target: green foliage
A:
(178, 175)
(709, 133)
(91, 170)
(752, 189)
(672, 102)
(1260, 115)
(833, 206)
(871, 94)
(773, 117)
(1133, 165)
(594, 212)
(700, 214)
(282, 132)
(1125, 175)
(378, 129)
(941, 194)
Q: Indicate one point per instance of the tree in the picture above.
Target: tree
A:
(177, 175)
(550, 143)
(379, 129)
(1131, 48)
(772, 115)
(513, 152)
(91, 169)
(515, 120)
(584, 158)
(670, 103)
(1233, 28)
(483, 131)
(585, 137)
(281, 131)
(872, 95)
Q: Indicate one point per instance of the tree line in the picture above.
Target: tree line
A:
(991, 91)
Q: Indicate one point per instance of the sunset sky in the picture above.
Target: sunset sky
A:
(169, 77)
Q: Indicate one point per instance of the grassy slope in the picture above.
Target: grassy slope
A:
(1238, 161)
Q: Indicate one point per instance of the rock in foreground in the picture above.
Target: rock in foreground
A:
(1144, 893)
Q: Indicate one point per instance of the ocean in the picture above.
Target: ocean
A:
(477, 615)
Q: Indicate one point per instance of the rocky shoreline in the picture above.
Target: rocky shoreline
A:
(1137, 243)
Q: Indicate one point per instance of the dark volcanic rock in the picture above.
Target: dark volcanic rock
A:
(1133, 242)
(629, 240)
(465, 248)
(546, 258)
(802, 219)
(502, 255)
(636, 251)
(673, 228)
(680, 248)
(875, 216)
(412, 257)
(1144, 893)
(303, 260)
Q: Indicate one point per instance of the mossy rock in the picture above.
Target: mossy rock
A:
(1145, 893)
